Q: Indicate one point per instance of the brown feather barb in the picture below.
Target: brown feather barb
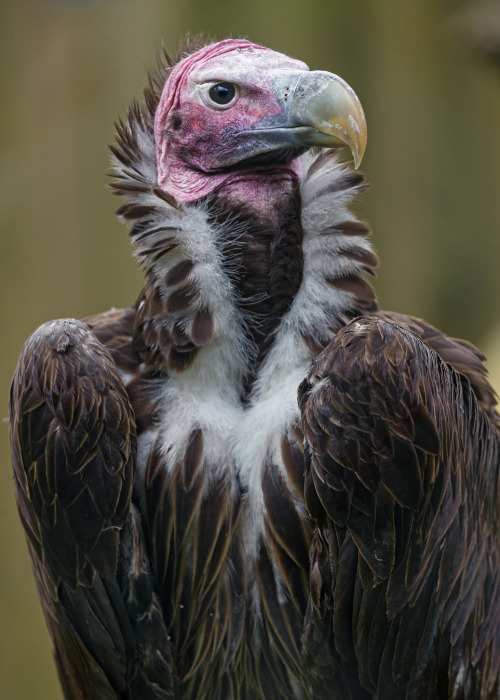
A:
(195, 531)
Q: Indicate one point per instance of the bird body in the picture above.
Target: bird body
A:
(195, 530)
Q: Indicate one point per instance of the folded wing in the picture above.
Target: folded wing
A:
(74, 454)
(402, 480)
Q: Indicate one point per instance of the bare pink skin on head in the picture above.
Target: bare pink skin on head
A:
(196, 141)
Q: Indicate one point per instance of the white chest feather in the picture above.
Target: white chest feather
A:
(239, 438)
(242, 435)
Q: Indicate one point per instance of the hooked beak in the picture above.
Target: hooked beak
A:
(330, 107)
(320, 109)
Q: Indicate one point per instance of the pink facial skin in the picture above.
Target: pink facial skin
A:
(197, 140)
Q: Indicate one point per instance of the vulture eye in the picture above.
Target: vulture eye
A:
(222, 94)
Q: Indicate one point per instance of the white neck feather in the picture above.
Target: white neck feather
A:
(240, 437)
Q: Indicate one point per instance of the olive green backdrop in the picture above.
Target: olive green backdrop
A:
(68, 69)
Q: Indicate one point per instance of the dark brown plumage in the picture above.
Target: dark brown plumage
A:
(404, 464)
(197, 533)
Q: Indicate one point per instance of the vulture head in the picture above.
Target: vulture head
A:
(234, 113)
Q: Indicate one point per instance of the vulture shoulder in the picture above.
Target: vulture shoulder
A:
(74, 453)
(402, 479)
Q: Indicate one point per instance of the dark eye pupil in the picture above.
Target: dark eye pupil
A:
(222, 93)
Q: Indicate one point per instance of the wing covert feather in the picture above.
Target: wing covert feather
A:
(404, 458)
(74, 454)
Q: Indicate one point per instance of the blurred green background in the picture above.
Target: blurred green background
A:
(69, 68)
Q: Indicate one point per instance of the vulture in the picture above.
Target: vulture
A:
(253, 482)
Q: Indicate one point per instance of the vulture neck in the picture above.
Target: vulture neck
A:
(260, 274)
(266, 256)
(266, 194)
